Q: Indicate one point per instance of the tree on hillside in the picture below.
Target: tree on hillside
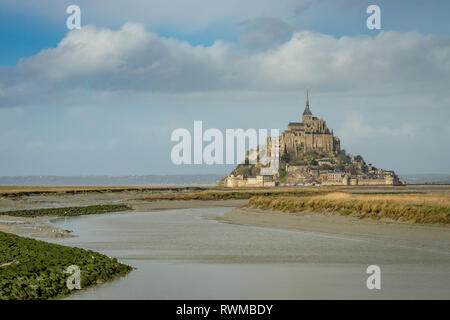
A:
(359, 158)
(286, 157)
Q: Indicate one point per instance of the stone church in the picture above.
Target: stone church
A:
(313, 157)
(311, 134)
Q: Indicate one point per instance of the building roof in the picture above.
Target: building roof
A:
(307, 110)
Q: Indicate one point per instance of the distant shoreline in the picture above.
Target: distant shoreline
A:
(155, 180)
(11, 191)
(24, 190)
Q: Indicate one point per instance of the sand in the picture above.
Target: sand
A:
(432, 237)
(145, 206)
(41, 227)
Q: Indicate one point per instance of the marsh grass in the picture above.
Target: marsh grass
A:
(34, 269)
(417, 208)
(18, 191)
(68, 211)
(234, 194)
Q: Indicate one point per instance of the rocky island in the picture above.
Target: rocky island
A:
(309, 154)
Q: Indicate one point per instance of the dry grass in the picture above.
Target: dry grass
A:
(424, 199)
(11, 191)
(417, 208)
(235, 194)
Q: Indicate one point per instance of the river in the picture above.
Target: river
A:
(186, 254)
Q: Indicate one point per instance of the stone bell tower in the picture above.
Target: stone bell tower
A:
(307, 114)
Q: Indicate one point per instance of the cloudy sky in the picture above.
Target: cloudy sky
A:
(105, 99)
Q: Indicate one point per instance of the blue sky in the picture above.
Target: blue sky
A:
(27, 30)
(105, 99)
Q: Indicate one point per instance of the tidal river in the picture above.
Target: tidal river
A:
(187, 254)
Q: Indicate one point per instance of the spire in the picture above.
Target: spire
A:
(307, 110)
(307, 96)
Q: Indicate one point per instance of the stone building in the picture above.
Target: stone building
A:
(310, 154)
(233, 181)
(312, 134)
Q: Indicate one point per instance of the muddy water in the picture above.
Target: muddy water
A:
(184, 254)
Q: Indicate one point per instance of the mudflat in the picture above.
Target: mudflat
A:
(431, 236)
(42, 227)
(400, 233)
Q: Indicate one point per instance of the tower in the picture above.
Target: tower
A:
(307, 114)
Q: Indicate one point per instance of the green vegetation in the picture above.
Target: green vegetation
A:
(310, 157)
(33, 269)
(283, 174)
(247, 170)
(352, 169)
(343, 159)
(286, 158)
(302, 158)
(359, 158)
(343, 163)
(68, 211)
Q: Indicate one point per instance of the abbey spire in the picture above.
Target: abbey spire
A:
(307, 110)
(307, 114)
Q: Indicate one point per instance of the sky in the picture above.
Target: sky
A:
(104, 99)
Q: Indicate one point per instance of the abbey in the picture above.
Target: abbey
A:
(309, 154)
(312, 134)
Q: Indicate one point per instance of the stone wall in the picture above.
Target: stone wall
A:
(233, 181)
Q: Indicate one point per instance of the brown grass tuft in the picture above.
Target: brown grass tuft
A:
(417, 208)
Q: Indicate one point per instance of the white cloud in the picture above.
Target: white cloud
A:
(398, 81)
(134, 60)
